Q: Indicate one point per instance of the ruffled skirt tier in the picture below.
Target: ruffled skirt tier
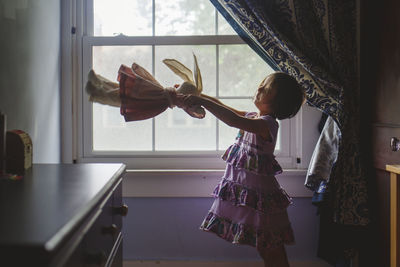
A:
(249, 208)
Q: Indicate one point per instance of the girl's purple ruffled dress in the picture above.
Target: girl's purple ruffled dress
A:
(250, 205)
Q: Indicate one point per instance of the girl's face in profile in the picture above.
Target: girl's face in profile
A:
(265, 94)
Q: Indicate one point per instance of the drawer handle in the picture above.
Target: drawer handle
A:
(123, 210)
(110, 230)
(395, 144)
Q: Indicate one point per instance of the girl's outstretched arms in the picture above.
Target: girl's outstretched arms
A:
(230, 116)
(241, 113)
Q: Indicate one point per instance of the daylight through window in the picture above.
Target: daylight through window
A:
(230, 70)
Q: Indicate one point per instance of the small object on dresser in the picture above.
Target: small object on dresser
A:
(3, 125)
(18, 152)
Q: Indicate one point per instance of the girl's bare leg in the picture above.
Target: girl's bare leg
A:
(275, 257)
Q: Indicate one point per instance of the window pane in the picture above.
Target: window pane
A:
(129, 17)
(176, 130)
(278, 139)
(205, 54)
(110, 132)
(223, 27)
(241, 70)
(108, 59)
(184, 17)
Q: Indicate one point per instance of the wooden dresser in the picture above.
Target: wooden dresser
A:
(63, 215)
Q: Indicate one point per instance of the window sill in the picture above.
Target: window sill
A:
(197, 183)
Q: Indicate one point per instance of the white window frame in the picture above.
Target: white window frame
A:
(77, 111)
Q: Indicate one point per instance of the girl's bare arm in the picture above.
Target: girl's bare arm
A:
(239, 112)
(230, 116)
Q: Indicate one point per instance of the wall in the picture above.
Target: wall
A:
(380, 83)
(30, 72)
(168, 229)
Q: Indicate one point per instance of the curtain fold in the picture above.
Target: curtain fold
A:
(316, 42)
(292, 37)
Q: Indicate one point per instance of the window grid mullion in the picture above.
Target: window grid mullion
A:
(153, 120)
(153, 53)
(153, 18)
(217, 94)
(165, 40)
(216, 21)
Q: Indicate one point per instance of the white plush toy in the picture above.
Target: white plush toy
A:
(142, 96)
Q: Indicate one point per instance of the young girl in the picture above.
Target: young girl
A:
(250, 206)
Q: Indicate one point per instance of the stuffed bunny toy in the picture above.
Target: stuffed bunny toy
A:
(140, 96)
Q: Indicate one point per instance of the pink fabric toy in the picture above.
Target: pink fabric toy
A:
(140, 96)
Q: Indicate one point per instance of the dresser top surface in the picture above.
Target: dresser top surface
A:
(50, 198)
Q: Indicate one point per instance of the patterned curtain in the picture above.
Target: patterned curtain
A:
(316, 42)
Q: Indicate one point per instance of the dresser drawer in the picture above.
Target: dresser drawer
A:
(99, 240)
(100, 237)
(119, 208)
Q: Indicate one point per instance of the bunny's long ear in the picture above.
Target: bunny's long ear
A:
(197, 75)
(179, 69)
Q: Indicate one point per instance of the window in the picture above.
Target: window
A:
(111, 33)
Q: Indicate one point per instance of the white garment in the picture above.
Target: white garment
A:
(324, 155)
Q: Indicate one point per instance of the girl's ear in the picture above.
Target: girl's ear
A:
(197, 75)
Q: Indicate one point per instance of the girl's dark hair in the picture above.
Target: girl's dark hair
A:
(289, 95)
